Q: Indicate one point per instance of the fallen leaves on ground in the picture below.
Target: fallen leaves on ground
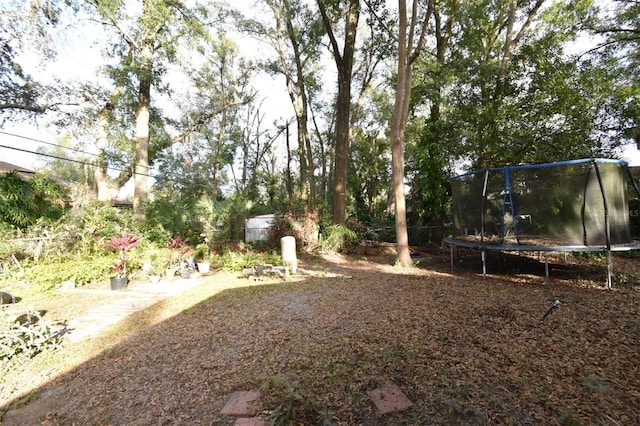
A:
(463, 348)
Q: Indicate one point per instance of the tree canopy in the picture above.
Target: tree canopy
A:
(289, 106)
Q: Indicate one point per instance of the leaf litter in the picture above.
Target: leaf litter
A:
(464, 349)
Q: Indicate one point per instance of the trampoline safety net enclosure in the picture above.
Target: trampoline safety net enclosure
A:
(578, 205)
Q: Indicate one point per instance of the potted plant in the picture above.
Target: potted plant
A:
(201, 254)
(185, 269)
(155, 272)
(123, 244)
(176, 249)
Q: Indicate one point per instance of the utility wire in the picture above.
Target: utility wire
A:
(90, 164)
(74, 161)
(47, 143)
(63, 147)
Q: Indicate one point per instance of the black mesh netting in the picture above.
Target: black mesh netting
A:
(560, 204)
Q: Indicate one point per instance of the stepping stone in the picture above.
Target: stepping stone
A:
(250, 421)
(242, 404)
(389, 399)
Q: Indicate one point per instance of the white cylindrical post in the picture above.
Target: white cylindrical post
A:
(289, 259)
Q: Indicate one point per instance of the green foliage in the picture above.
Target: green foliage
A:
(202, 251)
(28, 337)
(154, 233)
(370, 173)
(91, 223)
(170, 213)
(235, 261)
(43, 276)
(24, 201)
(428, 169)
(338, 237)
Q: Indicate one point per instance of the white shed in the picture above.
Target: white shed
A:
(257, 228)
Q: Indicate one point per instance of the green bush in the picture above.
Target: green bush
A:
(236, 261)
(28, 337)
(337, 238)
(83, 270)
(89, 226)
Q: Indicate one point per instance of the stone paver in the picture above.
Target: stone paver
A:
(250, 421)
(389, 399)
(242, 404)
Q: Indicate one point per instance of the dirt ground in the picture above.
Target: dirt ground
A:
(463, 348)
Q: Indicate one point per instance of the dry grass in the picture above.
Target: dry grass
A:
(464, 349)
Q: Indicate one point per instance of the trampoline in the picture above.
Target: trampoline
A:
(569, 206)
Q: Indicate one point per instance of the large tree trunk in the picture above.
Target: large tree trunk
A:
(339, 212)
(289, 178)
(397, 150)
(344, 64)
(100, 179)
(100, 170)
(141, 167)
(406, 58)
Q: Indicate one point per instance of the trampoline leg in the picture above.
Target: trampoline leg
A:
(609, 268)
(546, 269)
(451, 250)
(484, 264)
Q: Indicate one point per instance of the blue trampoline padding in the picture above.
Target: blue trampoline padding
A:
(543, 165)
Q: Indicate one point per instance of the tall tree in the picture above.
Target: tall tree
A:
(211, 120)
(293, 31)
(344, 63)
(411, 38)
(621, 47)
(147, 36)
(427, 160)
(28, 28)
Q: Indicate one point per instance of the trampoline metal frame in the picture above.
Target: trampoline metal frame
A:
(608, 247)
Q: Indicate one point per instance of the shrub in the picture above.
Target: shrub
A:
(236, 261)
(338, 238)
(84, 270)
(123, 244)
(304, 229)
(28, 337)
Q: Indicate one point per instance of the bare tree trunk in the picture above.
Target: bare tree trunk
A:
(344, 64)
(406, 58)
(100, 179)
(141, 167)
(100, 170)
(289, 178)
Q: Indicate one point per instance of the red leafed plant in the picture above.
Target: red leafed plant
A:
(177, 246)
(124, 244)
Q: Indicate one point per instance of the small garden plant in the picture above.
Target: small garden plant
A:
(124, 244)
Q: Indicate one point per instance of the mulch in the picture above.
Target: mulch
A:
(464, 349)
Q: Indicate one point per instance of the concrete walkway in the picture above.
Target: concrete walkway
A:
(136, 297)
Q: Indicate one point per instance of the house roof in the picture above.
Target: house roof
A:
(22, 171)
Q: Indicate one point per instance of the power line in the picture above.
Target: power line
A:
(73, 161)
(63, 158)
(47, 143)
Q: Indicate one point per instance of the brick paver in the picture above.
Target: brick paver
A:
(389, 399)
(242, 404)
